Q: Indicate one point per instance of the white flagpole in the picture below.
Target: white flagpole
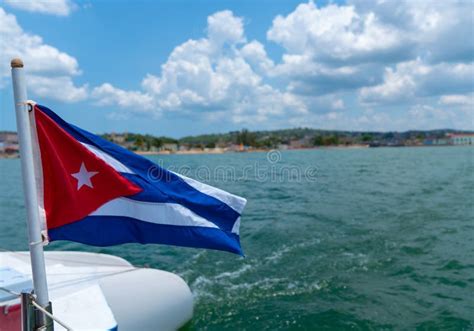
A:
(29, 186)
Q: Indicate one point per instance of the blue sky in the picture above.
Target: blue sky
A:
(186, 67)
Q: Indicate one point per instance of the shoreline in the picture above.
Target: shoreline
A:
(210, 152)
(259, 150)
(197, 152)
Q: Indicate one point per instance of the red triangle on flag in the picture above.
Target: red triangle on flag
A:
(76, 182)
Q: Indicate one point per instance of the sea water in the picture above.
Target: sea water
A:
(334, 239)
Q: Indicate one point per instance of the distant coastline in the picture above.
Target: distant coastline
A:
(260, 150)
(262, 141)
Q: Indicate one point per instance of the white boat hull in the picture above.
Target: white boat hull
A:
(97, 291)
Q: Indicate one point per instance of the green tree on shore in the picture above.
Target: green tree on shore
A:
(246, 138)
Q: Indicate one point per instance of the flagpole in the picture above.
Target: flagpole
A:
(29, 188)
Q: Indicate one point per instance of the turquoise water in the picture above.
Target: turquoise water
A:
(334, 239)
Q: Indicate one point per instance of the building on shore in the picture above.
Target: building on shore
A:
(437, 141)
(9, 149)
(118, 138)
(462, 138)
(9, 144)
(170, 147)
(304, 142)
(8, 137)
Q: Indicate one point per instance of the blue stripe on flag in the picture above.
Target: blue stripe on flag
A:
(114, 230)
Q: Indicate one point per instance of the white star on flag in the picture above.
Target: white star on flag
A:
(84, 177)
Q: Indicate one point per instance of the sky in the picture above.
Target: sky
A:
(180, 68)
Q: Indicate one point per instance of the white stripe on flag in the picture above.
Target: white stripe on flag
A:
(113, 162)
(236, 227)
(235, 202)
(152, 212)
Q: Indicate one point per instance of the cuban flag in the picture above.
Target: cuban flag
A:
(97, 193)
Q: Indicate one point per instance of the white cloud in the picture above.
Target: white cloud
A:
(373, 46)
(334, 48)
(224, 27)
(435, 27)
(418, 117)
(214, 74)
(337, 61)
(429, 117)
(334, 33)
(337, 104)
(306, 77)
(53, 7)
(254, 53)
(108, 95)
(46, 65)
(60, 88)
(37, 56)
(458, 99)
(413, 79)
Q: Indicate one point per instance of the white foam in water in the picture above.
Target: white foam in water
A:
(234, 274)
